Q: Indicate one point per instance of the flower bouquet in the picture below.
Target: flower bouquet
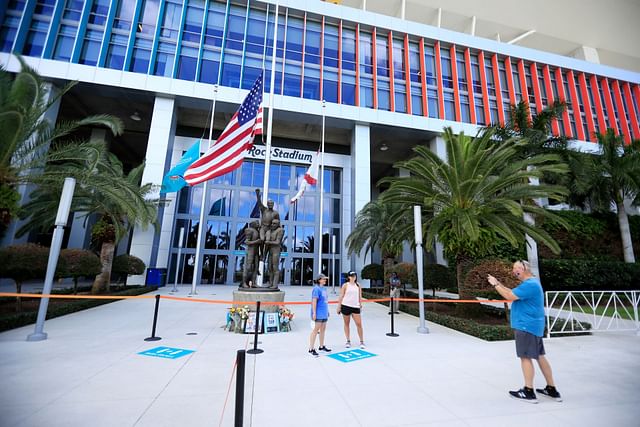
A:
(286, 316)
(236, 316)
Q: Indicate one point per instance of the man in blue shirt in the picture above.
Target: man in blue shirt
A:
(527, 321)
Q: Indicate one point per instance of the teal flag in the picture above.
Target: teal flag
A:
(174, 180)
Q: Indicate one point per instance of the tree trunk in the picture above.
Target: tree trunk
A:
(101, 282)
(625, 232)
(75, 285)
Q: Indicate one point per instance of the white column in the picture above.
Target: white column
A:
(360, 182)
(438, 146)
(160, 141)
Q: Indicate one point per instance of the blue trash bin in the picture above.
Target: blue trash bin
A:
(156, 277)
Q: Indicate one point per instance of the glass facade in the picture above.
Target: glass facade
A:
(229, 42)
(231, 204)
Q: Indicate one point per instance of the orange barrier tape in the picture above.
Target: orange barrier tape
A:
(210, 301)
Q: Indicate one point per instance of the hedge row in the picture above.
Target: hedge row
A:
(588, 275)
(17, 320)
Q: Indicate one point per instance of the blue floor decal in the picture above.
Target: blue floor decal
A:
(166, 352)
(351, 355)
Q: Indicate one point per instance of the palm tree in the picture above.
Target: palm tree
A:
(373, 229)
(105, 190)
(610, 177)
(537, 133)
(27, 139)
(481, 193)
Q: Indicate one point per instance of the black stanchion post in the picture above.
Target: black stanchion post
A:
(392, 333)
(255, 349)
(240, 362)
(153, 336)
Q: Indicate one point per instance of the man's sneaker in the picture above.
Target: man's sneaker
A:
(524, 395)
(313, 352)
(550, 392)
(362, 346)
(347, 344)
(324, 348)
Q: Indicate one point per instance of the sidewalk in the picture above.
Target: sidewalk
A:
(89, 373)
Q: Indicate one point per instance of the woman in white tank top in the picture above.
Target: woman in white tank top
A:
(349, 305)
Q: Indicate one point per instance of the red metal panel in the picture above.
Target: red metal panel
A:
(407, 72)
(423, 80)
(392, 90)
(608, 102)
(555, 128)
(357, 65)
(523, 86)
(472, 101)
(563, 97)
(340, 62)
(636, 94)
(456, 86)
(374, 59)
(322, 60)
(512, 90)
(598, 103)
(621, 111)
(576, 106)
(537, 93)
(588, 113)
(632, 113)
(496, 82)
(439, 80)
(485, 88)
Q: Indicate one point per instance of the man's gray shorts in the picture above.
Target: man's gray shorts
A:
(528, 345)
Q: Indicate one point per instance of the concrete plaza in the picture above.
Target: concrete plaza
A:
(89, 373)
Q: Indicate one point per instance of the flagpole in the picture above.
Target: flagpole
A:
(267, 156)
(197, 266)
(324, 104)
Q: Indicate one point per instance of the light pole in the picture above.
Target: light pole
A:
(175, 282)
(333, 263)
(417, 223)
(56, 242)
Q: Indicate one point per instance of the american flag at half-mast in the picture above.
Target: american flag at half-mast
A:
(228, 152)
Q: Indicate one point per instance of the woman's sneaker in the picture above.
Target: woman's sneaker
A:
(313, 352)
(324, 348)
(347, 344)
(550, 392)
(524, 395)
(362, 346)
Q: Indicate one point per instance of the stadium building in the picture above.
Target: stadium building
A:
(393, 73)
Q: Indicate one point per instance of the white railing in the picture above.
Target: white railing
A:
(603, 310)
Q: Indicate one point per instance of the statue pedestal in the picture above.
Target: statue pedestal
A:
(262, 295)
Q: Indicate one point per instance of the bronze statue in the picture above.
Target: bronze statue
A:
(252, 258)
(267, 214)
(273, 243)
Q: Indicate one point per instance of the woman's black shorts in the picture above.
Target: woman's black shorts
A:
(347, 310)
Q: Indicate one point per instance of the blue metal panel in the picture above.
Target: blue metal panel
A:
(82, 29)
(176, 56)
(244, 45)
(47, 52)
(106, 37)
(156, 38)
(224, 40)
(3, 9)
(25, 24)
(132, 35)
(205, 18)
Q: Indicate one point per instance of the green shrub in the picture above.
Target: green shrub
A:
(56, 310)
(438, 276)
(125, 264)
(23, 262)
(78, 263)
(373, 272)
(588, 275)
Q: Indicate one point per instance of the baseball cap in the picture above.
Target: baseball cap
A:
(352, 273)
(322, 276)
